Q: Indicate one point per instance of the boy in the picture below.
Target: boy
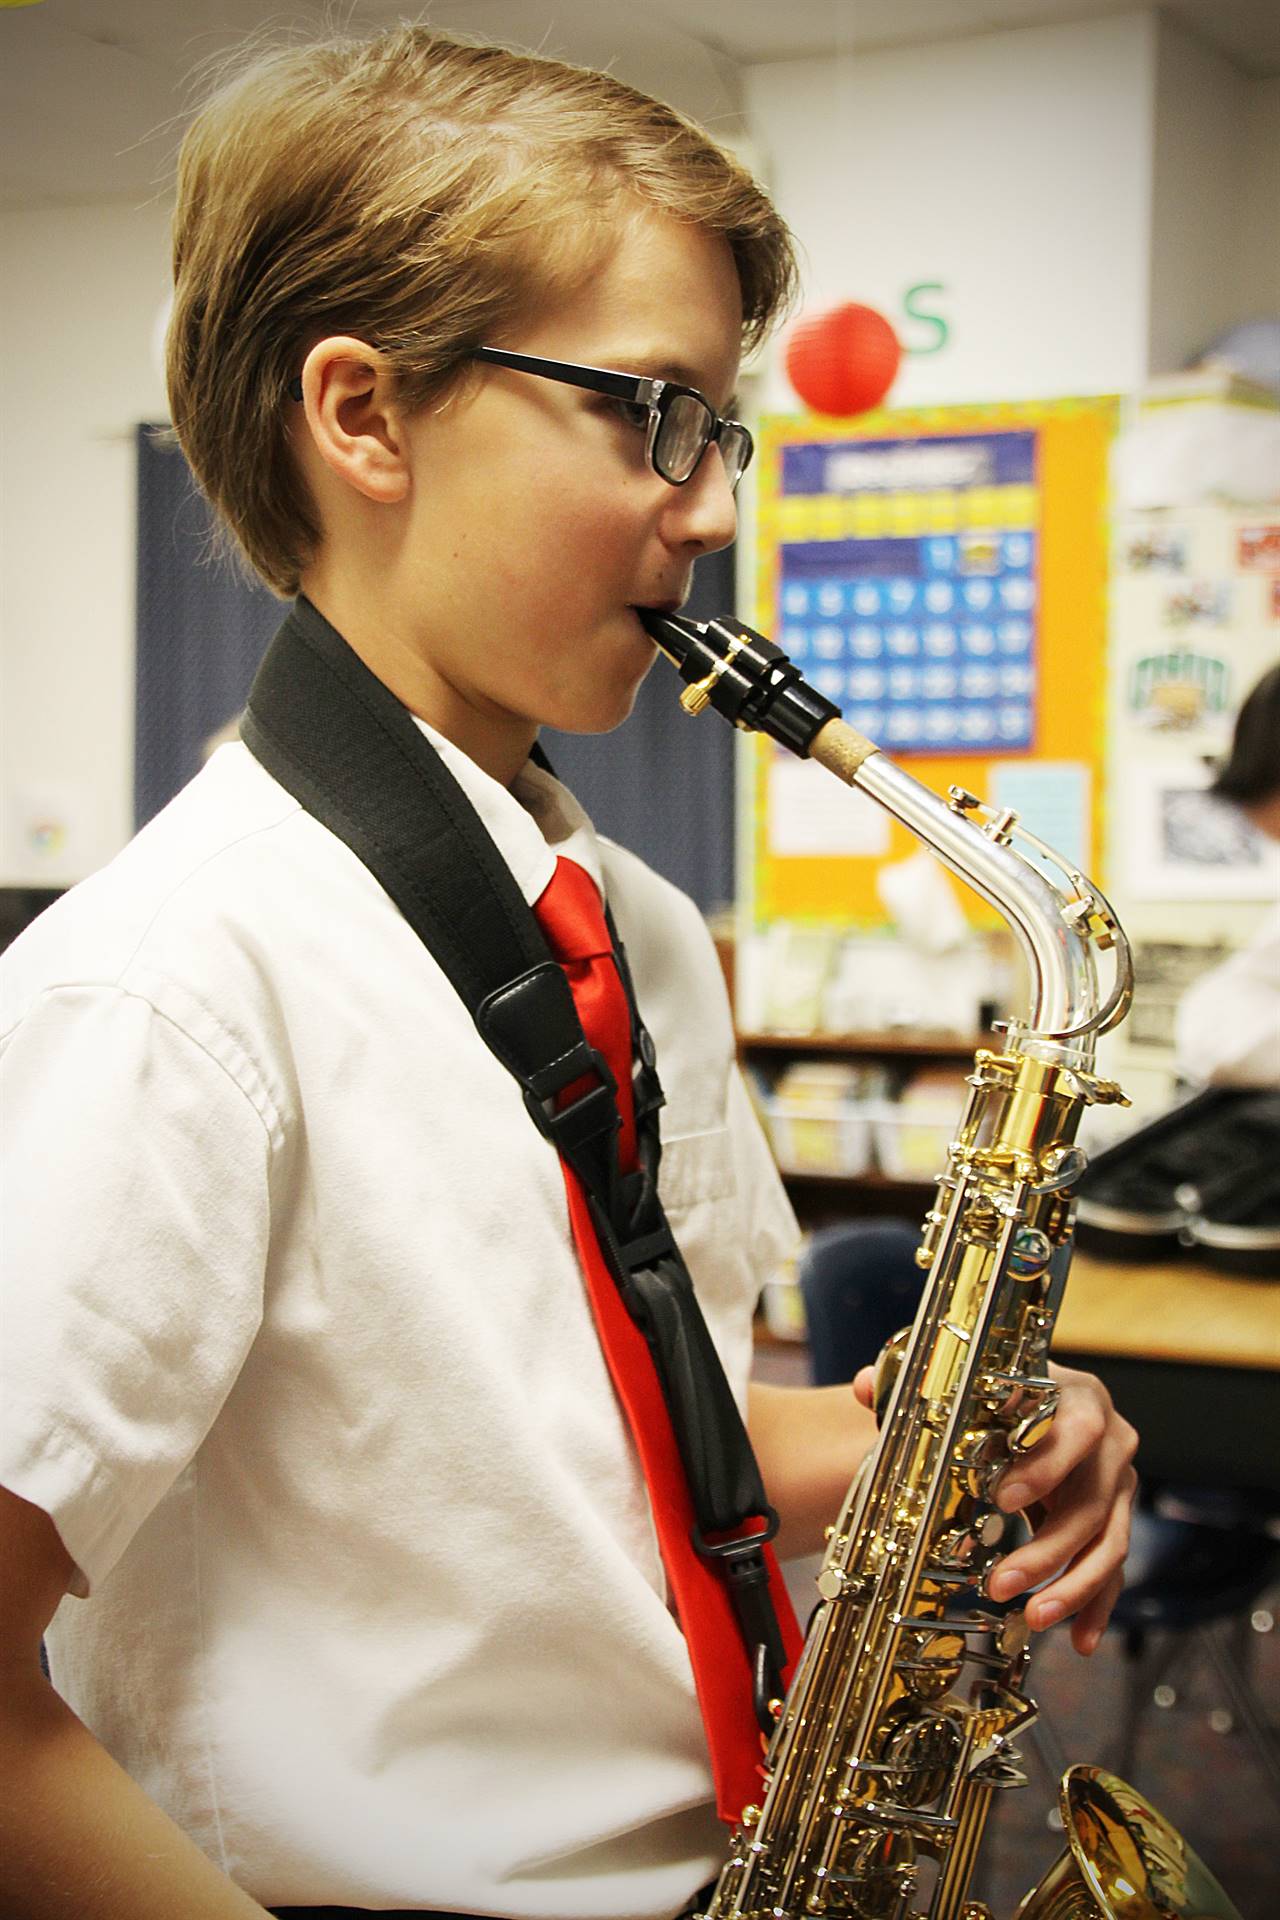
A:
(302, 1387)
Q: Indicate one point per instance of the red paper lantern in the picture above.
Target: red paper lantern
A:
(844, 361)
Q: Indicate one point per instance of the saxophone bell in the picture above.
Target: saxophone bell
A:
(1122, 1861)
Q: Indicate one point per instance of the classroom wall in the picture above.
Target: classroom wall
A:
(1199, 173)
(1020, 170)
(79, 291)
(1014, 168)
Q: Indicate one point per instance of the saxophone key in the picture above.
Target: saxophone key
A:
(1034, 1426)
(932, 1663)
(954, 1623)
(880, 1872)
(888, 1813)
(1030, 1253)
(1014, 1637)
(1000, 1772)
(979, 1457)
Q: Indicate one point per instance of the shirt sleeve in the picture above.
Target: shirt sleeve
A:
(135, 1215)
(1227, 1027)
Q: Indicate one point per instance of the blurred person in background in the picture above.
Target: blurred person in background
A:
(1228, 1024)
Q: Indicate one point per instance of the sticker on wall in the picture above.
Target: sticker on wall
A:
(810, 813)
(1258, 550)
(1155, 550)
(1203, 603)
(1051, 798)
(1174, 691)
(46, 827)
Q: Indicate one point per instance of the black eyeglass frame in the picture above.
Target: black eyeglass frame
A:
(658, 396)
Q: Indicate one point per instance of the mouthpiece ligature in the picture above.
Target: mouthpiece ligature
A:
(745, 677)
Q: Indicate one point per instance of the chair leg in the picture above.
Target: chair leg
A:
(1240, 1695)
(1043, 1737)
(1148, 1670)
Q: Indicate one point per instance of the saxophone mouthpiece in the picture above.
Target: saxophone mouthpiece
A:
(752, 682)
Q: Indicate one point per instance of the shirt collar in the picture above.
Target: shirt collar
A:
(531, 822)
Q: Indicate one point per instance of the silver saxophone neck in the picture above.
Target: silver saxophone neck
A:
(1058, 925)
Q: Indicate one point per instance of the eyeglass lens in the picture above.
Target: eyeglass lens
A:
(684, 431)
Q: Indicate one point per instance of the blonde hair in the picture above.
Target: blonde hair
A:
(420, 192)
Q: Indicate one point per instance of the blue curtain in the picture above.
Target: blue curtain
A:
(662, 784)
(202, 628)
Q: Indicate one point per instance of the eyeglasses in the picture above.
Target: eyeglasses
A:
(680, 424)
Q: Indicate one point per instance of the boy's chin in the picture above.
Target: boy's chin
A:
(609, 705)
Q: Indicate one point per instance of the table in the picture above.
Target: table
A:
(1191, 1356)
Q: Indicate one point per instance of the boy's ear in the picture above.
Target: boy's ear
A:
(352, 419)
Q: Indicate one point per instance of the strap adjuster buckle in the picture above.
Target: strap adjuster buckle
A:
(590, 1116)
(746, 1573)
(742, 1555)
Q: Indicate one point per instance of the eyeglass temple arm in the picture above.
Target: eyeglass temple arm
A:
(620, 386)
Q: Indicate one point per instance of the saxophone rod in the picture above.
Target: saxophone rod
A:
(756, 686)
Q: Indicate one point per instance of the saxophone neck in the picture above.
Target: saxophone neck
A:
(751, 682)
(1060, 926)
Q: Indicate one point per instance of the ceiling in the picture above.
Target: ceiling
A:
(92, 92)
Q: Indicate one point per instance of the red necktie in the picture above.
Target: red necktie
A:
(570, 914)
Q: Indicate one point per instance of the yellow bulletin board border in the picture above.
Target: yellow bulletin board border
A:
(1068, 508)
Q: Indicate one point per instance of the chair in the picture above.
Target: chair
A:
(1199, 1564)
(860, 1284)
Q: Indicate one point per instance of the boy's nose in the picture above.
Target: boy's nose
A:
(703, 512)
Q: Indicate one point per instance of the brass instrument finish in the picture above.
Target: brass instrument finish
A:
(901, 1720)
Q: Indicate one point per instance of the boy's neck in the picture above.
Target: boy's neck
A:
(498, 742)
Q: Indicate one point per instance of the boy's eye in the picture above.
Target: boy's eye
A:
(634, 413)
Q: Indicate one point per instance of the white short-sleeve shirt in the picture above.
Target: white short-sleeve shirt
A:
(1227, 1026)
(295, 1350)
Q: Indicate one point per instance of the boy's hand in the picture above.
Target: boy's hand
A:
(1081, 1479)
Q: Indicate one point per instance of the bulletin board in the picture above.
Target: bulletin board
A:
(941, 574)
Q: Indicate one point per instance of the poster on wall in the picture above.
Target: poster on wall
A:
(1182, 843)
(940, 575)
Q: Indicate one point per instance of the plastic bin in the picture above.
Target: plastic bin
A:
(783, 1306)
(913, 1132)
(819, 1117)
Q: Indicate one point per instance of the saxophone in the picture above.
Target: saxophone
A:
(898, 1727)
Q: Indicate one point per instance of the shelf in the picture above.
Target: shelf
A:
(871, 1182)
(900, 1046)
(821, 1197)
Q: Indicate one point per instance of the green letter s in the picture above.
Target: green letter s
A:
(933, 320)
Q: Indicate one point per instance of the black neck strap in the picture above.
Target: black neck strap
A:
(341, 743)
